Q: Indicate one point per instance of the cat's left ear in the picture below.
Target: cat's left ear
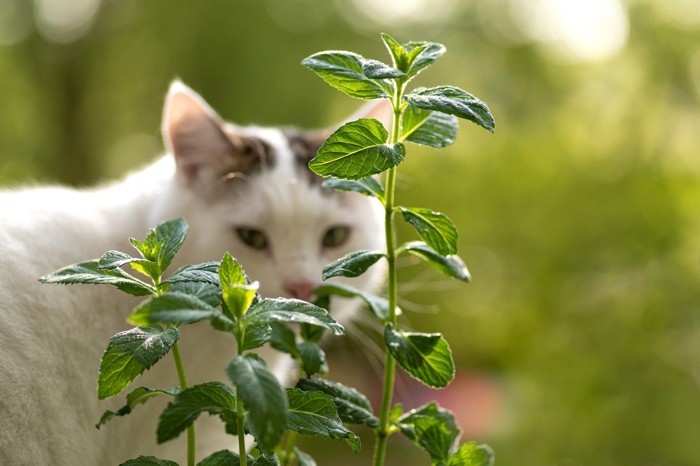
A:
(205, 148)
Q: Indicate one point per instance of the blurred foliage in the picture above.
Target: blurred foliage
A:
(578, 218)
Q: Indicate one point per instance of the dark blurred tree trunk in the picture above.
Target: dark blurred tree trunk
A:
(60, 73)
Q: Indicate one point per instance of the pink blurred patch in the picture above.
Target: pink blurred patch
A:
(476, 400)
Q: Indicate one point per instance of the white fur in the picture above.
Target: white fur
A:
(52, 336)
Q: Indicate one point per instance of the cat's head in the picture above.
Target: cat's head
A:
(248, 190)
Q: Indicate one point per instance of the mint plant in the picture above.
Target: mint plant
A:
(221, 293)
(350, 158)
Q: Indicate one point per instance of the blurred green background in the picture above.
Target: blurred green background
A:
(578, 340)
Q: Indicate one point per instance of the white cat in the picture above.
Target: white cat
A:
(241, 189)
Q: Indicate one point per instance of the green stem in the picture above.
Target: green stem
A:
(289, 448)
(384, 429)
(240, 416)
(183, 382)
(241, 429)
(183, 385)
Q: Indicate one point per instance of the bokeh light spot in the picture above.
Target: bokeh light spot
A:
(574, 30)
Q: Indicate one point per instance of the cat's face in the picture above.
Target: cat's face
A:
(248, 190)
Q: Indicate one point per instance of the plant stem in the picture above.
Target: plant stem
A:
(240, 417)
(183, 385)
(383, 431)
(288, 448)
(241, 429)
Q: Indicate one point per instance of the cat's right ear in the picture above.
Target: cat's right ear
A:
(379, 109)
(193, 133)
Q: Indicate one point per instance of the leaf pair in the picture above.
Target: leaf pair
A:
(270, 408)
(440, 241)
(357, 263)
(157, 250)
(434, 430)
(369, 79)
(264, 399)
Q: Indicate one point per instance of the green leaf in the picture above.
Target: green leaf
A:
(312, 333)
(395, 413)
(237, 293)
(313, 413)
(435, 228)
(353, 407)
(206, 292)
(433, 129)
(374, 69)
(129, 353)
(148, 461)
(291, 310)
(367, 186)
(412, 57)
(352, 265)
(147, 268)
(343, 70)
(114, 259)
(432, 428)
(161, 245)
(231, 272)
(269, 459)
(377, 304)
(434, 438)
(471, 454)
(357, 150)
(150, 248)
(425, 356)
(453, 101)
(256, 336)
(313, 358)
(304, 459)
(221, 458)
(176, 307)
(420, 55)
(208, 272)
(90, 273)
(397, 52)
(136, 397)
(181, 412)
(172, 234)
(263, 397)
(283, 339)
(230, 420)
(452, 266)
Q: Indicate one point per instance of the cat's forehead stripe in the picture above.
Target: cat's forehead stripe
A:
(252, 152)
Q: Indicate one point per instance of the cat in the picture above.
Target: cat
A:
(243, 189)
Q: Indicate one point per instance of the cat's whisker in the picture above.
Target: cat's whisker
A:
(352, 346)
(418, 308)
(428, 286)
(371, 350)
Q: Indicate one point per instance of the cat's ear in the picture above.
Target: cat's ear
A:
(196, 136)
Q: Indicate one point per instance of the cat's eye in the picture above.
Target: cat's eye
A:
(335, 236)
(256, 239)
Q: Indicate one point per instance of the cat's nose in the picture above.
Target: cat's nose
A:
(300, 290)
